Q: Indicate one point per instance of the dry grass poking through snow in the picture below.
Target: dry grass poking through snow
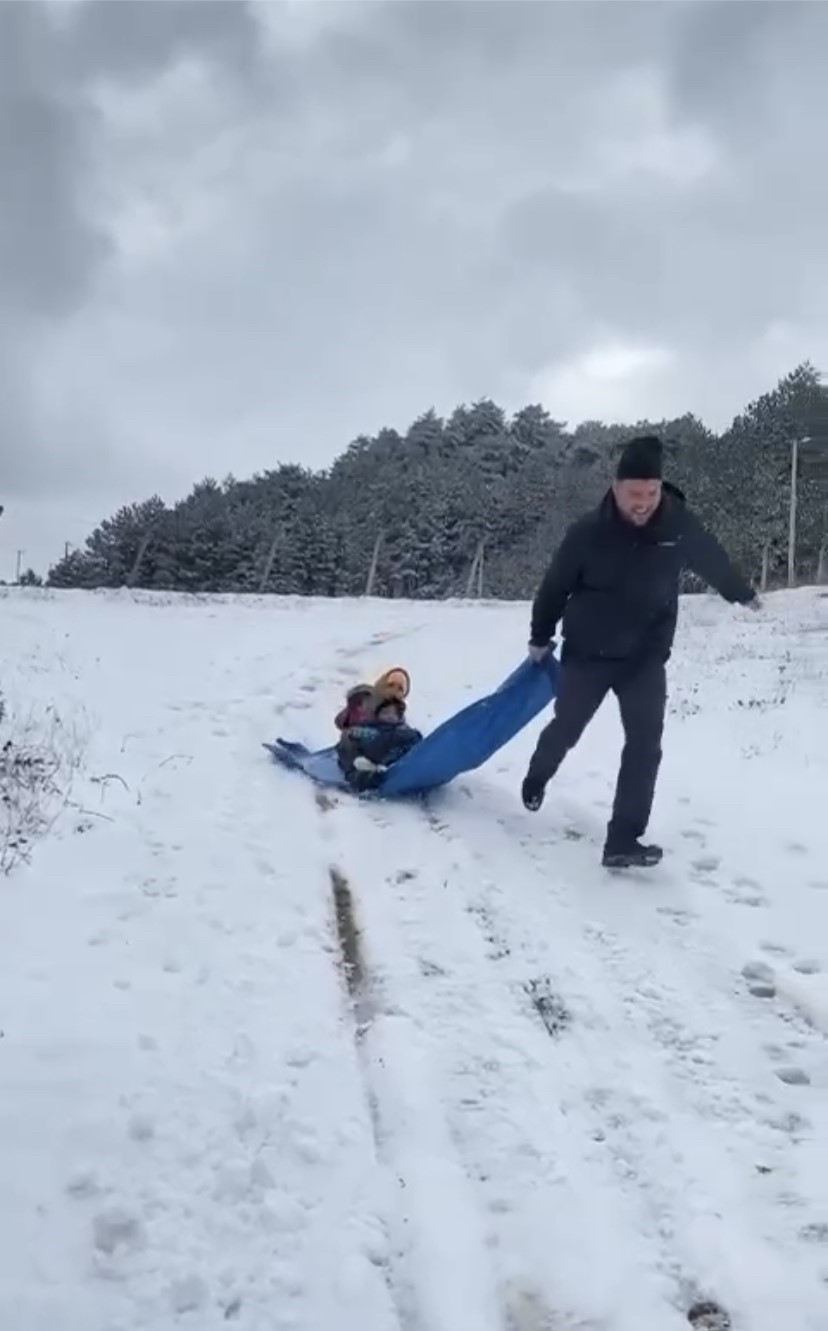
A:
(38, 759)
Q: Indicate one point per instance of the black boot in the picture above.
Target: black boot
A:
(630, 854)
(532, 792)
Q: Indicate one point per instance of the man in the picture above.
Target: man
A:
(614, 581)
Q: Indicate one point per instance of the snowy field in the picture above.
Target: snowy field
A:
(540, 1098)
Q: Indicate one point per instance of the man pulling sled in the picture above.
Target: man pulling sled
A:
(614, 582)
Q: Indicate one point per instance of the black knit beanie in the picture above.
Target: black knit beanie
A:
(641, 459)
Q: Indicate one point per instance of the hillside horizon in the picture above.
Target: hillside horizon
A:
(472, 502)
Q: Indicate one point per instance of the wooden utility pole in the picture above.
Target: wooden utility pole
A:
(474, 584)
(20, 554)
(268, 565)
(142, 550)
(372, 572)
(809, 463)
(763, 580)
(792, 510)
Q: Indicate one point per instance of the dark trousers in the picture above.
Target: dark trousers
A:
(641, 690)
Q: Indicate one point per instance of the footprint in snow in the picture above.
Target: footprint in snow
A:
(84, 1183)
(429, 969)
(188, 1294)
(693, 834)
(151, 887)
(678, 914)
(745, 892)
(573, 834)
(116, 1230)
(706, 1315)
(808, 966)
(745, 880)
(706, 864)
(791, 1124)
(141, 1127)
(751, 899)
(549, 1006)
(760, 979)
(775, 1053)
(815, 1232)
(776, 949)
(792, 1076)
(796, 848)
(526, 1310)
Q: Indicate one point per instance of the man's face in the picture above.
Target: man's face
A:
(637, 500)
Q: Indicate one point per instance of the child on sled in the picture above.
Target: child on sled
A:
(375, 733)
(361, 700)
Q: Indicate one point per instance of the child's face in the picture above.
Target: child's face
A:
(360, 706)
(389, 711)
(395, 684)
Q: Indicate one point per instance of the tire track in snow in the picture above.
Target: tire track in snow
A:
(492, 1090)
(436, 1285)
(711, 1154)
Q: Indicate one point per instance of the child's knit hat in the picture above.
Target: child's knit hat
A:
(393, 683)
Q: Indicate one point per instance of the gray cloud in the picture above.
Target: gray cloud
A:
(52, 246)
(247, 233)
(48, 248)
(131, 40)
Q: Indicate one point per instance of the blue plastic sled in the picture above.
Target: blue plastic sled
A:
(463, 742)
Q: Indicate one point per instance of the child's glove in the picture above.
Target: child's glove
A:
(363, 764)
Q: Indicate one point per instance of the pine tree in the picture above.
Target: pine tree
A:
(426, 499)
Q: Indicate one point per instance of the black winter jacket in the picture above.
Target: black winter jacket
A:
(616, 585)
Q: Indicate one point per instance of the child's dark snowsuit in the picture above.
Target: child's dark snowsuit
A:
(366, 751)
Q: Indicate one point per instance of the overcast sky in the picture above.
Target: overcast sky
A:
(234, 234)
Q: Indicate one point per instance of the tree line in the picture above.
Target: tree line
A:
(470, 504)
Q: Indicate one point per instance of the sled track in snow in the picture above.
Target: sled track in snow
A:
(488, 1098)
(362, 1014)
(350, 945)
(435, 1286)
(428, 1291)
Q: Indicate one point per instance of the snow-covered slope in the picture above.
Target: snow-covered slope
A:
(538, 1098)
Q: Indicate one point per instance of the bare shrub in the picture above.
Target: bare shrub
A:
(38, 759)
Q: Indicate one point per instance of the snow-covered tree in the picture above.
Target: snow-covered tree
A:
(424, 499)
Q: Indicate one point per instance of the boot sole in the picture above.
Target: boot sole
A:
(628, 862)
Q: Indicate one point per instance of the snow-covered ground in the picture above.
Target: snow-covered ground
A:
(549, 1099)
